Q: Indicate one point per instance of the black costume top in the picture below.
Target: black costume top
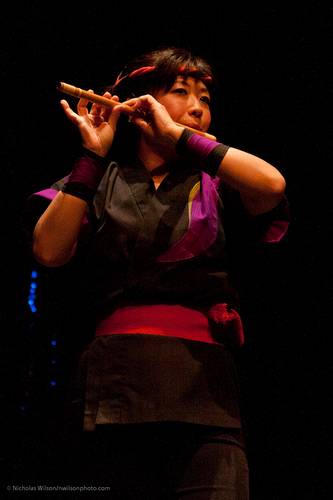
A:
(174, 245)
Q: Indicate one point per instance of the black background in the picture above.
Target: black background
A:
(274, 66)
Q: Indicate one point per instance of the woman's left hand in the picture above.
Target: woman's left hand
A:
(155, 123)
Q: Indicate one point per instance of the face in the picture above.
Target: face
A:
(188, 103)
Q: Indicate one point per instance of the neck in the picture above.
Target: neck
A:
(157, 165)
(150, 158)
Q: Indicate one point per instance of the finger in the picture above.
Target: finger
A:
(109, 96)
(73, 117)
(96, 120)
(82, 105)
(64, 104)
(141, 123)
(132, 102)
(144, 100)
(135, 108)
(107, 110)
(114, 115)
(96, 111)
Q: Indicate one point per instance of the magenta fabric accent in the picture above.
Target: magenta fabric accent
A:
(200, 145)
(230, 320)
(278, 227)
(202, 230)
(47, 193)
(276, 231)
(87, 171)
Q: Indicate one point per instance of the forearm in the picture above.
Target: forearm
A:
(260, 185)
(56, 232)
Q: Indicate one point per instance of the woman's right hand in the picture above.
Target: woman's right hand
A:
(96, 125)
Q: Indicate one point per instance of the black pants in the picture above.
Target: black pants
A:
(159, 461)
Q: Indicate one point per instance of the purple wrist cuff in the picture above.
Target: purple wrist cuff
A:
(201, 145)
(85, 177)
(86, 171)
(198, 149)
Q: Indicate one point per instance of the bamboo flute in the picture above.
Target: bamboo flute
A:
(104, 101)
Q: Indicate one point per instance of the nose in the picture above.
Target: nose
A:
(195, 108)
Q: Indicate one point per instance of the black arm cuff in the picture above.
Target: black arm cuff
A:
(79, 190)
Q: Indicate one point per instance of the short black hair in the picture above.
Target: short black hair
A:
(158, 70)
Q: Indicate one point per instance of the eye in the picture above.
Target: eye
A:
(179, 90)
(205, 99)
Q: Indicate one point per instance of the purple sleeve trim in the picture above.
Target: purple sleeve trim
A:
(274, 229)
(49, 194)
(201, 145)
(229, 323)
(203, 225)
